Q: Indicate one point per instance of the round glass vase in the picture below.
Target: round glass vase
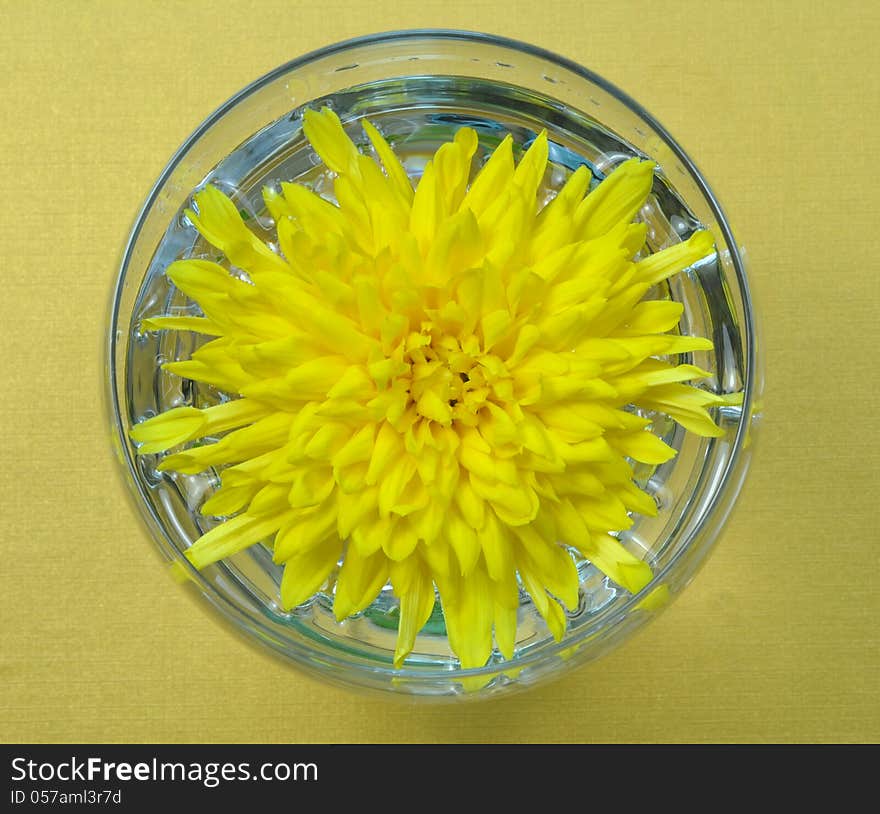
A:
(421, 86)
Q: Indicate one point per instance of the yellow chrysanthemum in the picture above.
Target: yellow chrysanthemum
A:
(431, 386)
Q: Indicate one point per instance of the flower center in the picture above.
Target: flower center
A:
(452, 379)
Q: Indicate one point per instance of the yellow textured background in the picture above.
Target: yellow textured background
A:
(776, 640)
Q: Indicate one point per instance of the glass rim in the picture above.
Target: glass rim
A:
(316, 658)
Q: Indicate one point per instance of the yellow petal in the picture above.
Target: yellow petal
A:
(394, 481)
(308, 381)
(264, 435)
(387, 447)
(389, 159)
(616, 200)
(426, 212)
(439, 558)
(656, 599)
(359, 582)
(305, 531)
(221, 224)
(199, 325)
(495, 175)
(314, 215)
(603, 512)
(687, 405)
(550, 564)
(531, 168)
(452, 164)
(514, 505)
(358, 448)
(471, 505)
(554, 225)
(457, 247)
(311, 486)
(497, 547)
(428, 522)
(229, 499)
(505, 619)
(304, 574)
(610, 557)
(549, 609)
(494, 326)
(652, 317)
(168, 429)
(431, 405)
(271, 499)
(642, 446)
(469, 618)
(401, 542)
(653, 372)
(201, 279)
(232, 536)
(329, 140)
(670, 261)
(416, 604)
(354, 508)
(464, 541)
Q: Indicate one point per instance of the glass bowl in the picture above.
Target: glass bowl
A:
(422, 85)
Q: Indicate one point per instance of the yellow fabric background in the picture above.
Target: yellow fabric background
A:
(776, 640)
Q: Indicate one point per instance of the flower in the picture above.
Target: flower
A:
(433, 386)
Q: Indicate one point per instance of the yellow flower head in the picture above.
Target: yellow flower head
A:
(431, 386)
